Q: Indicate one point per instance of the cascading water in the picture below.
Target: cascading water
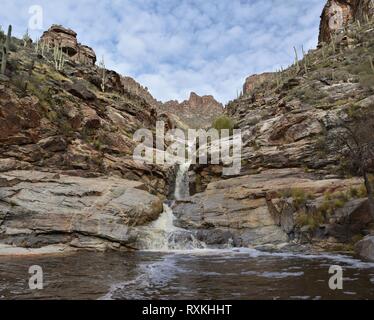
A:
(182, 187)
(162, 234)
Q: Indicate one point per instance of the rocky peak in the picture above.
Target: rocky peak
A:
(337, 14)
(67, 40)
(196, 112)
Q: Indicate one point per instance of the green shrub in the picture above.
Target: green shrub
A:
(313, 220)
(223, 122)
(299, 196)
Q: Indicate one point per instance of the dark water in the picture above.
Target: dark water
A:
(229, 274)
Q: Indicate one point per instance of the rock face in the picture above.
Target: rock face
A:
(284, 120)
(337, 14)
(63, 122)
(196, 112)
(39, 209)
(255, 80)
(67, 40)
(365, 248)
(251, 209)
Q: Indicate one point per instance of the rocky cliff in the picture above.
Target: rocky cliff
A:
(338, 14)
(196, 112)
(66, 149)
(292, 182)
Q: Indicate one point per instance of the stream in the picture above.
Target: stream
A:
(172, 264)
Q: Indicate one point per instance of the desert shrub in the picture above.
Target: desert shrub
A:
(299, 196)
(223, 122)
(334, 201)
(313, 220)
(367, 81)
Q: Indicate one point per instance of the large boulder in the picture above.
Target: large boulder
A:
(365, 248)
(39, 209)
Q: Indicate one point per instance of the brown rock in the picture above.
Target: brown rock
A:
(365, 248)
(67, 39)
(337, 14)
(80, 90)
(252, 81)
(196, 112)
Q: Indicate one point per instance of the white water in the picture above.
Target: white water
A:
(162, 235)
(182, 184)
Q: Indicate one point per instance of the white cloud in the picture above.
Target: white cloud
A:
(177, 46)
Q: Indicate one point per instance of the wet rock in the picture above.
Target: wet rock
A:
(365, 248)
(215, 236)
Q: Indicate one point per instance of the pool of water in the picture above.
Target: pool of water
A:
(195, 274)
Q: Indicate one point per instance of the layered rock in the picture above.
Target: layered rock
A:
(196, 112)
(337, 14)
(39, 209)
(63, 122)
(67, 40)
(251, 210)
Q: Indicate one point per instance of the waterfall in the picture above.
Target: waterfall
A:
(162, 234)
(182, 183)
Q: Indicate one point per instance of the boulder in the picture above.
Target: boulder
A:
(365, 248)
(80, 90)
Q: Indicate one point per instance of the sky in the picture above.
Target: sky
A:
(174, 47)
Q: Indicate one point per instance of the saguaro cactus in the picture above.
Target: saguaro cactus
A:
(5, 51)
(58, 58)
(103, 74)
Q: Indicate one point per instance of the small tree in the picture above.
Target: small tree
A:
(353, 140)
(223, 122)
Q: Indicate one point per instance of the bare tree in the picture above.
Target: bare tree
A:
(353, 140)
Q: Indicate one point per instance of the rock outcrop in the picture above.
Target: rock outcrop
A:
(39, 209)
(365, 248)
(61, 121)
(251, 208)
(66, 39)
(196, 112)
(338, 14)
(254, 81)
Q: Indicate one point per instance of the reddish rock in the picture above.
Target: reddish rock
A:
(196, 112)
(67, 40)
(255, 80)
(337, 14)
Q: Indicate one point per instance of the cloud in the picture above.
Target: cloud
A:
(177, 46)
